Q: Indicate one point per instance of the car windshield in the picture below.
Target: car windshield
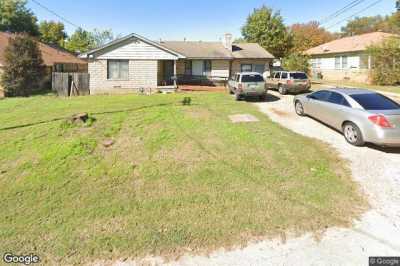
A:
(375, 101)
(252, 78)
(298, 75)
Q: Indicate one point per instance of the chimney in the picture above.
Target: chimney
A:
(227, 41)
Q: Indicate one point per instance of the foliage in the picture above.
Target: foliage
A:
(176, 178)
(362, 25)
(309, 35)
(80, 41)
(386, 62)
(296, 62)
(23, 69)
(15, 17)
(102, 37)
(266, 27)
(52, 32)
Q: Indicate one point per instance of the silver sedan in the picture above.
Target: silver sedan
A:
(361, 115)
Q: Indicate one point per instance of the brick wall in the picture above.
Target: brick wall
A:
(142, 74)
(356, 75)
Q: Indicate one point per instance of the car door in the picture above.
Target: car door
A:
(315, 105)
(336, 110)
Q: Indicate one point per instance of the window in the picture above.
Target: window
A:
(188, 67)
(337, 62)
(320, 95)
(252, 78)
(314, 63)
(298, 75)
(277, 75)
(259, 69)
(118, 69)
(246, 67)
(207, 67)
(336, 98)
(318, 62)
(284, 75)
(375, 101)
(344, 62)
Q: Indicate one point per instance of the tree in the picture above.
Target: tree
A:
(80, 41)
(296, 62)
(102, 37)
(386, 62)
(23, 69)
(52, 33)
(364, 25)
(266, 27)
(15, 17)
(308, 35)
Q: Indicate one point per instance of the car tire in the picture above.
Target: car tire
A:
(352, 134)
(263, 97)
(282, 90)
(238, 97)
(298, 107)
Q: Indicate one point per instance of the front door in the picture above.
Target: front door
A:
(197, 67)
(168, 72)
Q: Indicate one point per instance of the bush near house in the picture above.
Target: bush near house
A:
(296, 62)
(386, 62)
(23, 69)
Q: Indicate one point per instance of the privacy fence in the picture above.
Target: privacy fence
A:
(70, 84)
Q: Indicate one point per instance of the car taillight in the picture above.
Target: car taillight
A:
(289, 82)
(380, 120)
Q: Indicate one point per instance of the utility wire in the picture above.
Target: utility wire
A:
(55, 14)
(341, 11)
(355, 14)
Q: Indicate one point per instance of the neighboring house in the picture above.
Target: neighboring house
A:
(346, 58)
(55, 59)
(134, 62)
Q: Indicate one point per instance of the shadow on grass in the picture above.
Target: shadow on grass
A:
(96, 113)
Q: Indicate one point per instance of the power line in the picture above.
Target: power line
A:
(55, 14)
(355, 14)
(341, 11)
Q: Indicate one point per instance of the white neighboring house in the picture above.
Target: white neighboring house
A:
(346, 58)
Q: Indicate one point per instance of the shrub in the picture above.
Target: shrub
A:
(23, 69)
(386, 62)
(296, 62)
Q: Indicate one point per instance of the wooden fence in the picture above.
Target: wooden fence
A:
(70, 84)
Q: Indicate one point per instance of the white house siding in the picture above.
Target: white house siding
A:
(136, 50)
(142, 74)
(356, 70)
(220, 68)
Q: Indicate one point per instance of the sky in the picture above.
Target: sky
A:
(205, 20)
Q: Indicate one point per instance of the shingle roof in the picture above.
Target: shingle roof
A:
(350, 44)
(215, 50)
(50, 55)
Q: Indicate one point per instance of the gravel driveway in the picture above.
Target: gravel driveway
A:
(377, 233)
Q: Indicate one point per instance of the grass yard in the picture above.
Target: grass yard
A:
(177, 178)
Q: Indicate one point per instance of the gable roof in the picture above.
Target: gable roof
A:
(350, 44)
(50, 54)
(196, 50)
(131, 36)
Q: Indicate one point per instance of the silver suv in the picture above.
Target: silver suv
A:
(247, 84)
(289, 81)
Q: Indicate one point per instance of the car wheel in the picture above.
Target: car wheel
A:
(238, 97)
(299, 108)
(282, 90)
(263, 97)
(353, 134)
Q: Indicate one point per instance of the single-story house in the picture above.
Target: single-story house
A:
(346, 58)
(134, 62)
(55, 59)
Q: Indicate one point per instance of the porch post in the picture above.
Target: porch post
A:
(175, 76)
(369, 62)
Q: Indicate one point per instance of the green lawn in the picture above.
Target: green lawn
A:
(395, 89)
(177, 177)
